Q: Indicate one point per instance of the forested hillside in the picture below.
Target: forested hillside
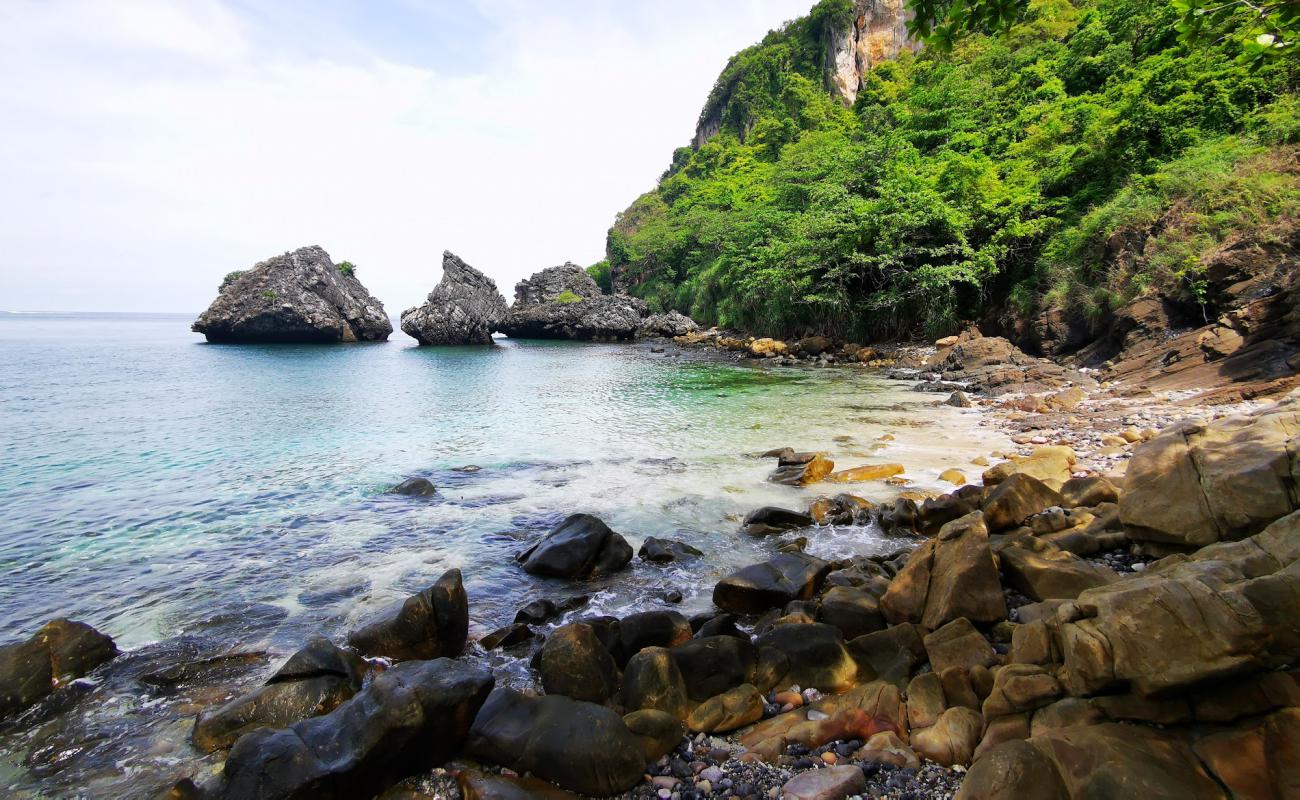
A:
(982, 182)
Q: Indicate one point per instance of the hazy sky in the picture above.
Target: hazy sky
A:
(149, 147)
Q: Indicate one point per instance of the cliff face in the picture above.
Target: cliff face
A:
(877, 32)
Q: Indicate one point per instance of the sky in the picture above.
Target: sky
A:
(150, 147)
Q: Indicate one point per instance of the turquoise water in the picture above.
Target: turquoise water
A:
(159, 487)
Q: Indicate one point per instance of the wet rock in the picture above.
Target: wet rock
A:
(659, 731)
(734, 708)
(854, 611)
(543, 610)
(464, 308)
(663, 551)
(719, 625)
(650, 629)
(816, 654)
(771, 519)
(410, 718)
(509, 636)
(866, 472)
(1198, 484)
(580, 547)
(771, 584)
(958, 399)
(59, 653)
(1052, 466)
(948, 577)
(712, 665)
(431, 624)
(652, 680)
(925, 700)
(803, 474)
(1015, 500)
(575, 663)
(891, 654)
(831, 783)
(296, 297)
(414, 487)
(565, 303)
(579, 746)
(314, 681)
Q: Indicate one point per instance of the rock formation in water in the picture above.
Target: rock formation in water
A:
(565, 303)
(296, 297)
(464, 308)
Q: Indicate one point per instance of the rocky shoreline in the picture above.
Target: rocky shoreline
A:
(1119, 589)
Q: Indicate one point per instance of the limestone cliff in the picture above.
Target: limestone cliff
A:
(877, 32)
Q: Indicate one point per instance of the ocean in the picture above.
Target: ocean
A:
(191, 499)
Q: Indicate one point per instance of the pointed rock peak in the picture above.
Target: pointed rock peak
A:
(464, 308)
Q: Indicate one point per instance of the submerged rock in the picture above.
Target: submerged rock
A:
(415, 487)
(59, 653)
(410, 718)
(296, 297)
(430, 624)
(565, 303)
(580, 547)
(314, 681)
(464, 308)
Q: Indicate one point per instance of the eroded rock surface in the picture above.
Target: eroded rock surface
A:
(464, 308)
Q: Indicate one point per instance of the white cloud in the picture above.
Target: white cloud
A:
(150, 147)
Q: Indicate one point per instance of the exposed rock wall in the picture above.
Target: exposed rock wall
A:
(464, 308)
(877, 32)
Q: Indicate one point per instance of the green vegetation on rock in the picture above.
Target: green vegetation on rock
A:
(600, 273)
(348, 268)
(230, 278)
(982, 179)
(566, 297)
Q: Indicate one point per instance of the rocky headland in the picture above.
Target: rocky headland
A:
(301, 296)
(464, 308)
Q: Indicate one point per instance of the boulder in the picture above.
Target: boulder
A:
(415, 487)
(866, 472)
(59, 653)
(950, 576)
(664, 551)
(475, 785)
(578, 746)
(816, 654)
(1052, 465)
(659, 732)
(510, 636)
(535, 612)
(1256, 760)
(831, 783)
(410, 718)
(650, 629)
(314, 681)
(1042, 571)
(580, 547)
(958, 644)
(714, 664)
(1018, 688)
(1088, 492)
(1019, 497)
(1014, 770)
(431, 624)
(854, 611)
(1138, 762)
(771, 584)
(734, 708)
(296, 297)
(652, 680)
(771, 519)
(667, 326)
(803, 473)
(1196, 484)
(952, 739)
(464, 308)
(565, 303)
(575, 663)
(925, 700)
(891, 654)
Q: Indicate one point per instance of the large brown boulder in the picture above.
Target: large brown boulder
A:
(1042, 571)
(1259, 759)
(950, 576)
(431, 624)
(1012, 501)
(1014, 770)
(1116, 760)
(1196, 484)
(816, 655)
(771, 584)
(60, 652)
(652, 680)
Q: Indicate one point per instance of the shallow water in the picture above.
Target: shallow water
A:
(180, 495)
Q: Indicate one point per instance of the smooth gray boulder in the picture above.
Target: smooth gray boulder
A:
(565, 303)
(296, 297)
(464, 308)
